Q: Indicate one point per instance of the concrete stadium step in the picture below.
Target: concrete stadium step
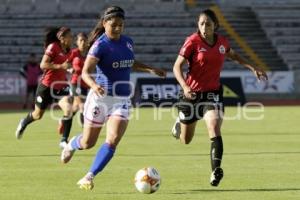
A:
(259, 42)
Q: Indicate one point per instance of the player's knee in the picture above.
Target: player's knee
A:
(37, 116)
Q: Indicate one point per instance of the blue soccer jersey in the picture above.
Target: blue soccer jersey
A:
(115, 61)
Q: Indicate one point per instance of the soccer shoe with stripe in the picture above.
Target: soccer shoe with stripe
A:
(176, 129)
(216, 176)
(20, 129)
(67, 153)
(86, 182)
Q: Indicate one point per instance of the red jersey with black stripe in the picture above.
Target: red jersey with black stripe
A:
(77, 63)
(55, 78)
(205, 62)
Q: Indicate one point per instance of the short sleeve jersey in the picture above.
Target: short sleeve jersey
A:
(55, 78)
(205, 62)
(77, 64)
(115, 61)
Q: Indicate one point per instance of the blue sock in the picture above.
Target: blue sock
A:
(103, 156)
(75, 144)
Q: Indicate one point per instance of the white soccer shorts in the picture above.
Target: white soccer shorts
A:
(98, 109)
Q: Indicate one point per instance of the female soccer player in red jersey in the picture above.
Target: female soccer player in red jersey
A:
(53, 85)
(205, 52)
(79, 89)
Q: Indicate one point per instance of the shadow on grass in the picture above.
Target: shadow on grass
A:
(154, 155)
(196, 191)
(247, 190)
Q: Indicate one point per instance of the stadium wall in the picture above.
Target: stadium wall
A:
(282, 88)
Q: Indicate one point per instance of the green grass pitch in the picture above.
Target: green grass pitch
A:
(261, 159)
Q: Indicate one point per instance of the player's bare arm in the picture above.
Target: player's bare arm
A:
(178, 72)
(258, 72)
(138, 66)
(46, 63)
(88, 69)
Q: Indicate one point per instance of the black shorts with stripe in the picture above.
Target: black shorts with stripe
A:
(46, 95)
(190, 111)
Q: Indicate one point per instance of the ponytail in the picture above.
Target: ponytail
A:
(50, 36)
(96, 32)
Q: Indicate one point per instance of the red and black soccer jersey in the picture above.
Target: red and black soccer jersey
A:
(77, 63)
(55, 78)
(205, 62)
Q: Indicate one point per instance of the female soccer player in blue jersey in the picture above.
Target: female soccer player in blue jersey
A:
(108, 101)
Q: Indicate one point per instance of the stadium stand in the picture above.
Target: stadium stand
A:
(157, 30)
(282, 25)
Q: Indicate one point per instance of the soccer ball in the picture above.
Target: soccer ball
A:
(147, 180)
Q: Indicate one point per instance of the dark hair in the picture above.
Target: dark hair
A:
(212, 15)
(81, 34)
(53, 33)
(110, 12)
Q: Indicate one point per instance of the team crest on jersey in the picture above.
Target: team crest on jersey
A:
(222, 49)
(96, 111)
(129, 46)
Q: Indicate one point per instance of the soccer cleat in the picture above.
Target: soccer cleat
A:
(176, 129)
(63, 144)
(20, 129)
(216, 176)
(66, 154)
(60, 127)
(86, 182)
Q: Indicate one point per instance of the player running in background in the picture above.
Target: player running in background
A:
(202, 97)
(31, 71)
(79, 89)
(109, 98)
(53, 85)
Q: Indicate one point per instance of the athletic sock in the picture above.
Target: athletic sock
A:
(103, 156)
(67, 124)
(28, 119)
(216, 152)
(75, 143)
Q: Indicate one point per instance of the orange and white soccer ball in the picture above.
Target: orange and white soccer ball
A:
(147, 180)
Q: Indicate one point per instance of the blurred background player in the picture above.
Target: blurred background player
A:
(31, 72)
(202, 97)
(79, 89)
(53, 84)
(109, 99)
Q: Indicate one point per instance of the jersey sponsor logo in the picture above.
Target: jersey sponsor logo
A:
(123, 64)
(129, 46)
(222, 49)
(202, 49)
